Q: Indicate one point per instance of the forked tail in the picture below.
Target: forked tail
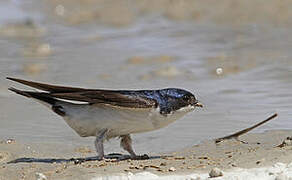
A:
(44, 98)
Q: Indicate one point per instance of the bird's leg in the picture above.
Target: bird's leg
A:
(126, 144)
(100, 136)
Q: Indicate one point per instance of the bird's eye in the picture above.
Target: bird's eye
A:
(185, 97)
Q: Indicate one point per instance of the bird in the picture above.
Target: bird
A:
(107, 114)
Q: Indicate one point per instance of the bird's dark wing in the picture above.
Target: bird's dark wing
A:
(93, 96)
(115, 98)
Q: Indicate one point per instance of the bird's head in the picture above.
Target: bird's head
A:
(177, 100)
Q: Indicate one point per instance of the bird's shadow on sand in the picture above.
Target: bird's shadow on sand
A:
(114, 156)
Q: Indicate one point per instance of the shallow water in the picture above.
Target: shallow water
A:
(145, 49)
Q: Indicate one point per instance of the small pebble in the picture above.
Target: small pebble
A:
(171, 169)
(219, 71)
(40, 176)
(258, 162)
(163, 164)
(215, 172)
(10, 141)
(233, 165)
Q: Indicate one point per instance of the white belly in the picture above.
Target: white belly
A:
(87, 120)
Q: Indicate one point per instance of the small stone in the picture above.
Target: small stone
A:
(258, 162)
(171, 169)
(219, 71)
(163, 164)
(215, 172)
(233, 165)
(40, 176)
(10, 141)
(58, 171)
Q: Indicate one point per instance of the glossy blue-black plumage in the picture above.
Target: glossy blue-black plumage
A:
(168, 100)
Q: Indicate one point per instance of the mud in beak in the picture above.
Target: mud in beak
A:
(198, 104)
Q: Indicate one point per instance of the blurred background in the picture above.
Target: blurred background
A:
(234, 55)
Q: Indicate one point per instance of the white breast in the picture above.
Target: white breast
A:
(87, 120)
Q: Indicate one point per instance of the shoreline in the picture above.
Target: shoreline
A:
(260, 156)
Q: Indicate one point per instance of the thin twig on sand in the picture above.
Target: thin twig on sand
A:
(239, 133)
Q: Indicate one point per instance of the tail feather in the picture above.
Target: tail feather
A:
(19, 92)
(46, 87)
(43, 97)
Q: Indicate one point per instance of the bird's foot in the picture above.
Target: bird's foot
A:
(121, 157)
(141, 157)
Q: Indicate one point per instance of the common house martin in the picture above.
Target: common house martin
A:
(106, 114)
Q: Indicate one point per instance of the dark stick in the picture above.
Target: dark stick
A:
(239, 133)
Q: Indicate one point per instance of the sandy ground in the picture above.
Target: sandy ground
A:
(169, 44)
(53, 160)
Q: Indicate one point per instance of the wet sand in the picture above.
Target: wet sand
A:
(229, 155)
